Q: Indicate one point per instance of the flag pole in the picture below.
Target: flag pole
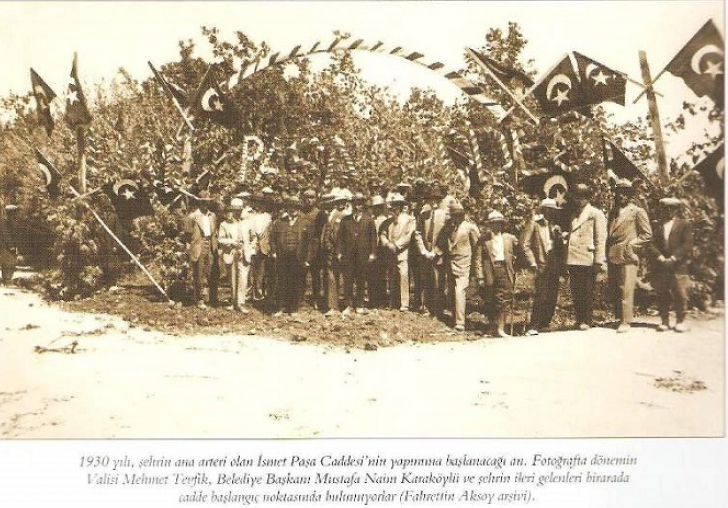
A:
(121, 244)
(171, 96)
(501, 84)
(648, 88)
(81, 146)
(655, 121)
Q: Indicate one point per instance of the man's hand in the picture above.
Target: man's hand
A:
(372, 257)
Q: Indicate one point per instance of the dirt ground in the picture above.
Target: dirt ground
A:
(69, 373)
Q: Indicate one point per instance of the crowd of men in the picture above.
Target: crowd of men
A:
(419, 253)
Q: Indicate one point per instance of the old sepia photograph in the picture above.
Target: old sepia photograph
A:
(240, 220)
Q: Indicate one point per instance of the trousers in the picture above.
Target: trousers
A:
(545, 297)
(672, 288)
(622, 281)
(398, 277)
(582, 280)
(239, 271)
(458, 288)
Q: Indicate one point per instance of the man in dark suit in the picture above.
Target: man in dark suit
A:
(496, 270)
(671, 250)
(434, 269)
(289, 239)
(378, 268)
(200, 234)
(315, 218)
(356, 249)
(335, 205)
(543, 247)
(628, 231)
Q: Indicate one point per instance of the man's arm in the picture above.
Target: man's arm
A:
(526, 239)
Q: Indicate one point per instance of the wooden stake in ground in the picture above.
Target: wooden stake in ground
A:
(121, 244)
(655, 121)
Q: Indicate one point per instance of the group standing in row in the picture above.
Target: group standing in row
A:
(421, 254)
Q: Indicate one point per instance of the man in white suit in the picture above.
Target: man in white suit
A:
(585, 256)
(236, 239)
(395, 238)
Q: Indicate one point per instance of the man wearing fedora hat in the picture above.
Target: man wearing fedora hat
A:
(585, 253)
(628, 232)
(315, 217)
(289, 239)
(429, 224)
(337, 202)
(378, 267)
(671, 250)
(200, 235)
(495, 270)
(356, 250)
(396, 236)
(458, 242)
(236, 240)
(543, 247)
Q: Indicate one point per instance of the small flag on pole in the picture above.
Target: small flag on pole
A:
(559, 91)
(504, 73)
(77, 112)
(44, 95)
(616, 162)
(129, 199)
(211, 103)
(50, 174)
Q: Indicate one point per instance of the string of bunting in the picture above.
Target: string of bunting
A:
(469, 88)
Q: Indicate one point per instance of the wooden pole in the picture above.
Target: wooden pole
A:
(121, 244)
(81, 145)
(502, 85)
(655, 121)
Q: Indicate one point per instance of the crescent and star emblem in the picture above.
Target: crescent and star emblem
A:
(600, 78)
(712, 67)
(555, 188)
(129, 187)
(561, 95)
(211, 101)
(46, 173)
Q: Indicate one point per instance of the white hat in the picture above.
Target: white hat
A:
(236, 204)
(395, 198)
(549, 203)
(495, 215)
(377, 201)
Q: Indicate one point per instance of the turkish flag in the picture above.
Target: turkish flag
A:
(711, 168)
(559, 91)
(599, 83)
(77, 113)
(701, 64)
(44, 95)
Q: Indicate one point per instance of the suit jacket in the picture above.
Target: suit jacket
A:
(429, 225)
(533, 245)
(484, 269)
(287, 238)
(261, 226)
(459, 247)
(628, 233)
(193, 234)
(330, 232)
(399, 233)
(357, 239)
(237, 241)
(587, 238)
(315, 221)
(679, 244)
